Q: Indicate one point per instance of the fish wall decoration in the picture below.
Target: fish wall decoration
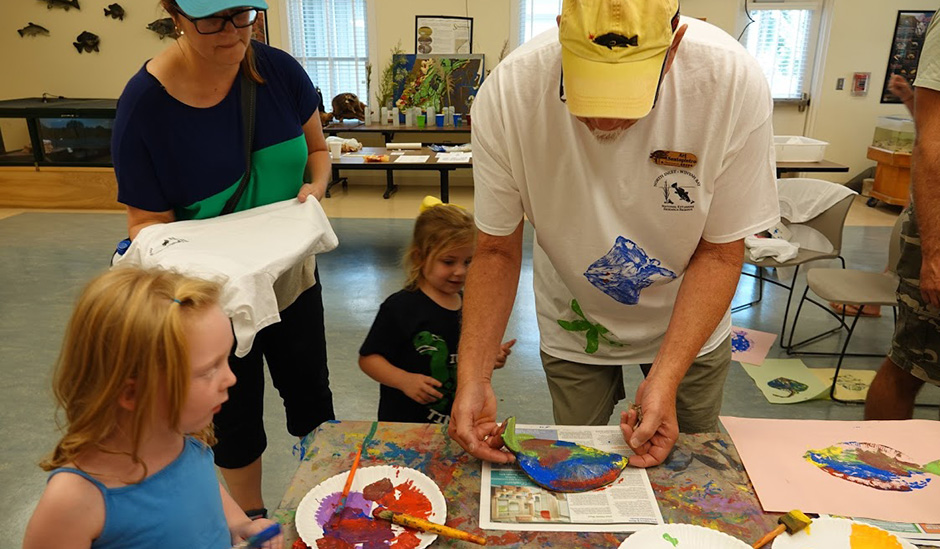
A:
(164, 27)
(32, 29)
(115, 11)
(87, 42)
(63, 4)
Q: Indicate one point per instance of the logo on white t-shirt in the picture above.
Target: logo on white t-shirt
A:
(679, 188)
(166, 243)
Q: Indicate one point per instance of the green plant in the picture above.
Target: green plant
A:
(393, 73)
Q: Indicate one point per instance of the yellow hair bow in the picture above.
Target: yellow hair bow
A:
(431, 201)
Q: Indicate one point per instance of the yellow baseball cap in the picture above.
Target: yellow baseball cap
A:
(613, 53)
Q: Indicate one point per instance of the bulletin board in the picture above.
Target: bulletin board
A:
(909, 31)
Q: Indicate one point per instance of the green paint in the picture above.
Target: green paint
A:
(671, 539)
(594, 333)
(277, 173)
(512, 440)
(933, 467)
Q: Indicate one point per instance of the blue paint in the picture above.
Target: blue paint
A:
(790, 386)
(740, 342)
(625, 271)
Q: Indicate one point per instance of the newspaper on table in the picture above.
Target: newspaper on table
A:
(509, 500)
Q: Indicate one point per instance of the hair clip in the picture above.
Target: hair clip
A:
(178, 302)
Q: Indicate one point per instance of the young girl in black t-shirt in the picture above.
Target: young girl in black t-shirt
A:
(411, 348)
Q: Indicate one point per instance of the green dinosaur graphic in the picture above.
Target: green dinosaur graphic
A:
(594, 332)
(442, 370)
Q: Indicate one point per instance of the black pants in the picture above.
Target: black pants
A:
(295, 351)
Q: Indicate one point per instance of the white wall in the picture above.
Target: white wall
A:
(859, 42)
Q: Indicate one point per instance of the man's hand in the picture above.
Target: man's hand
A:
(504, 351)
(473, 422)
(930, 280)
(653, 438)
(421, 388)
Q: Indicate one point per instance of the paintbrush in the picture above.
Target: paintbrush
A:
(416, 523)
(258, 539)
(791, 523)
(352, 473)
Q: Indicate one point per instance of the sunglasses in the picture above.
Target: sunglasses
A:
(215, 23)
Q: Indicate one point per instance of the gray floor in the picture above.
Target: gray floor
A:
(45, 258)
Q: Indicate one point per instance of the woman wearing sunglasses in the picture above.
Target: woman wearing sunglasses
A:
(178, 152)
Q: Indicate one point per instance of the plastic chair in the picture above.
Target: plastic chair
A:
(829, 223)
(852, 287)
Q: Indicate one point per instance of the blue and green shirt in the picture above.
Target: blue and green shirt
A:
(170, 156)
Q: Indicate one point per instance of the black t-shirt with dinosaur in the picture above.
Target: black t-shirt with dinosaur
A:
(415, 334)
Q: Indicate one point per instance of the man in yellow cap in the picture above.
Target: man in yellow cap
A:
(642, 167)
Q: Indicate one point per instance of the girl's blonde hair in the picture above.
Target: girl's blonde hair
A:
(438, 230)
(128, 327)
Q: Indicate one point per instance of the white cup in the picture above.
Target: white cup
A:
(336, 150)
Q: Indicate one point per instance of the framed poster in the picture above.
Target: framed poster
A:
(438, 80)
(443, 35)
(909, 31)
(259, 31)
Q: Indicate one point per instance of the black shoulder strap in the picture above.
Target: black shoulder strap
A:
(248, 91)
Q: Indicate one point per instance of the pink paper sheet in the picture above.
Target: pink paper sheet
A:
(772, 451)
(750, 346)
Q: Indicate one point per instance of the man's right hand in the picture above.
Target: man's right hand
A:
(473, 422)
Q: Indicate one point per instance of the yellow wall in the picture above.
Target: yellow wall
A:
(858, 42)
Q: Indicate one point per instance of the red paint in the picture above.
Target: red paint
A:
(407, 540)
(547, 515)
(377, 490)
(408, 499)
(548, 454)
(584, 484)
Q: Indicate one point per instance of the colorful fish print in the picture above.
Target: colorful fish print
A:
(739, 341)
(790, 386)
(873, 465)
(562, 466)
(593, 333)
(625, 271)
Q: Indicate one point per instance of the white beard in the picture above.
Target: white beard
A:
(608, 136)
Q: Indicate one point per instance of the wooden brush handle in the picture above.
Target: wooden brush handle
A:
(769, 537)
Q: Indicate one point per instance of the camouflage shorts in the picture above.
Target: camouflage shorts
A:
(915, 347)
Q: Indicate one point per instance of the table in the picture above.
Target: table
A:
(389, 131)
(356, 161)
(823, 166)
(702, 483)
(892, 176)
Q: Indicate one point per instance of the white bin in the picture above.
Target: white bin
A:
(796, 148)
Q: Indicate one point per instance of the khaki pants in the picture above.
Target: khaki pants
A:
(586, 394)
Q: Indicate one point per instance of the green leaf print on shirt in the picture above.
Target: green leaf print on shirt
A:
(595, 333)
(442, 370)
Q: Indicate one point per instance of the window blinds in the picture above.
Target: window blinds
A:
(329, 39)
(536, 16)
(780, 39)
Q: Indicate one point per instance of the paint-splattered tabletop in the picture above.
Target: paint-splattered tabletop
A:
(702, 483)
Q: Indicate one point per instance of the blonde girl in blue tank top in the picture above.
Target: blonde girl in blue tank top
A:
(143, 368)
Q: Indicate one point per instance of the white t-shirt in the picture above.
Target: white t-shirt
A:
(928, 68)
(616, 223)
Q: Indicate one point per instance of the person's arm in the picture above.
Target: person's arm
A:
(488, 298)
(70, 515)
(901, 89)
(138, 219)
(704, 296)
(243, 527)
(419, 388)
(925, 174)
(318, 160)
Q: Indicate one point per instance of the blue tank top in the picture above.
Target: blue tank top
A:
(178, 506)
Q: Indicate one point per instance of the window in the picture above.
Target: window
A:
(781, 37)
(537, 16)
(329, 39)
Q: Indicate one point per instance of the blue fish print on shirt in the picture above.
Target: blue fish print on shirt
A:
(625, 271)
(739, 341)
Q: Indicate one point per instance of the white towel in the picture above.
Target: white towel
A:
(775, 248)
(803, 199)
(263, 257)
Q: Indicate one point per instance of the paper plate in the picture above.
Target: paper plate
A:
(413, 493)
(833, 533)
(681, 536)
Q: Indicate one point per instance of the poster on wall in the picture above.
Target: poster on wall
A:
(909, 31)
(259, 31)
(438, 81)
(443, 35)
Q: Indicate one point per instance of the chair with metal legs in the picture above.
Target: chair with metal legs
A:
(851, 287)
(829, 223)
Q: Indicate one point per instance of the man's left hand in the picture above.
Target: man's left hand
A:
(653, 438)
(930, 281)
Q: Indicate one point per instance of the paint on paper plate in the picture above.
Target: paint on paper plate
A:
(750, 346)
(873, 465)
(354, 526)
(563, 466)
